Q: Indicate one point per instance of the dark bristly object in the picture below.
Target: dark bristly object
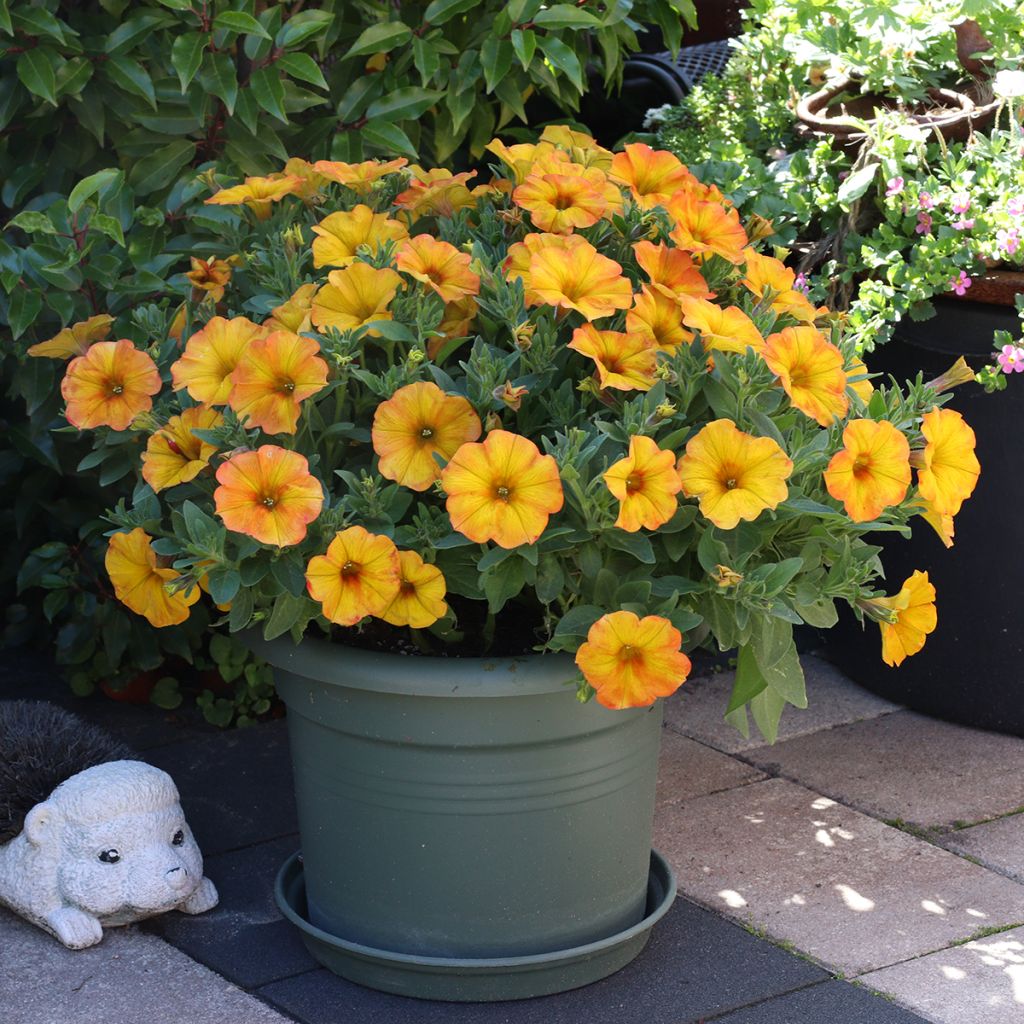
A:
(41, 746)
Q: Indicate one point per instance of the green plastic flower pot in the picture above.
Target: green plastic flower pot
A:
(466, 810)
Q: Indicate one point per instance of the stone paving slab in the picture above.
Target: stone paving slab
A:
(696, 965)
(998, 845)
(907, 766)
(129, 978)
(687, 769)
(981, 982)
(698, 707)
(844, 888)
(833, 1002)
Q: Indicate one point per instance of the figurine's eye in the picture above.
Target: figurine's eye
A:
(179, 838)
(110, 856)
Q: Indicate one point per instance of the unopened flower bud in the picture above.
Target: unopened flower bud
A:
(415, 357)
(492, 422)
(524, 335)
(758, 227)
(666, 411)
(726, 577)
(958, 373)
(509, 394)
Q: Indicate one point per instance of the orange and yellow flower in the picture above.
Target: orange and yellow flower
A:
(174, 455)
(268, 494)
(418, 421)
(275, 375)
(210, 357)
(580, 147)
(653, 175)
(439, 265)
(293, 315)
(340, 235)
(671, 271)
(625, 362)
(312, 180)
(810, 370)
(950, 471)
(210, 276)
(863, 389)
(767, 272)
(456, 322)
(706, 229)
(914, 608)
(74, 340)
(940, 522)
(631, 662)
(258, 193)
(559, 203)
(871, 471)
(520, 255)
(354, 296)
(501, 489)
(658, 315)
(727, 329)
(420, 599)
(579, 278)
(358, 177)
(359, 575)
(646, 484)
(141, 584)
(435, 193)
(521, 157)
(735, 476)
(109, 386)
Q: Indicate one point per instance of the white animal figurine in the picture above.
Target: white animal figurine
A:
(107, 847)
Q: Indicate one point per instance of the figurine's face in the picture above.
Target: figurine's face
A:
(131, 864)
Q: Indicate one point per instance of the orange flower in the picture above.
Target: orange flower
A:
(520, 254)
(521, 157)
(653, 175)
(501, 489)
(625, 362)
(914, 609)
(646, 483)
(630, 661)
(940, 522)
(417, 421)
(872, 471)
(734, 475)
(456, 322)
(275, 375)
(863, 389)
(359, 576)
(671, 271)
(268, 495)
(293, 315)
(765, 272)
(358, 177)
(811, 372)
(658, 315)
(706, 229)
(355, 296)
(950, 472)
(578, 278)
(420, 599)
(560, 202)
(342, 233)
(258, 193)
(580, 147)
(728, 329)
(312, 180)
(435, 193)
(210, 276)
(109, 386)
(74, 340)
(439, 265)
(210, 357)
(174, 455)
(141, 585)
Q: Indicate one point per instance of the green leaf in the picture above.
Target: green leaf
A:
(389, 138)
(5, 18)
(496, 56)
(219, 69)
(88, 187)
(403, 104)
(502, 582)
(239, 21)
(187, 56)
(524, 42)
(304, 68)
(288, 611)
(24, 308)
(767, 709)
(110, 226)
(566, 16)
(36, 72)
(302, 26)
(380, 39)
(777, 659)
(73, 77)
(268, 89)
(33, 222)
(564, 59)
(224, 583)
(134, 29)
(636, 544)
(161, 167)
(440, 11)
(241, 610)
(578, 620)
(131, 76)
(856, 184)
(426, 58)
(749, 681)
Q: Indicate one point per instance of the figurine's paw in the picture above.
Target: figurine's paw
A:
(203, 899)
(75, 928)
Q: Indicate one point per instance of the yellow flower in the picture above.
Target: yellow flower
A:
(174, 455)
(914, 608)
(671, 271)
(726, 329)
(417, 421)
(950, 472)
(439, 265)
(735, 476)
(625, 362)
(810, 370)
(863, 389)
(646, 484)
(355, 296)
(560, 202)
(312, 181)
(210, 276)
(358, 576)
(940, 522)
(420, 599)
(210, 357)
(293, 315)
(109, 386)
(341, 234)
(872, 471)
(578, 278)
(74, 340)
(580, 147)
(358, 177)
(631, 662)
(258, 193)
(652, 175)
(766, 272)
(706, 229)
(658, 315)
(435, 193)
(141, 585)
(501, 489)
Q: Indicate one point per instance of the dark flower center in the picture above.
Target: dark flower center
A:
(426, 433)
(117, 389)
(504, 493)
(269, 502)
(350, 568)
(634, 483)
(731, 483)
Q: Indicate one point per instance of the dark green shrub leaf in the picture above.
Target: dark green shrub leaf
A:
(187, 56)
(403, 104)
(380, 39)
(239, 21)
(36, 72)
(440, 11)
(304, 68)
(131, 76)
(160, 168)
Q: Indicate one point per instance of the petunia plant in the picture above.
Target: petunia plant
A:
(568, 408)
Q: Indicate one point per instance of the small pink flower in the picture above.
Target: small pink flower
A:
(960, 284)
(961, 202)
(1008, 240)
(1011, 359)
(924, 224)
(964, 225)
(925, 201)
(801, 284)
(1015, 206)
(894, 186)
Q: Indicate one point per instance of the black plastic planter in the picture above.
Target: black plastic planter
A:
(971, 669)
(469, 830)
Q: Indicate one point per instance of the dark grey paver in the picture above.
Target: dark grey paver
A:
(834, 1002)
(696, 965)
